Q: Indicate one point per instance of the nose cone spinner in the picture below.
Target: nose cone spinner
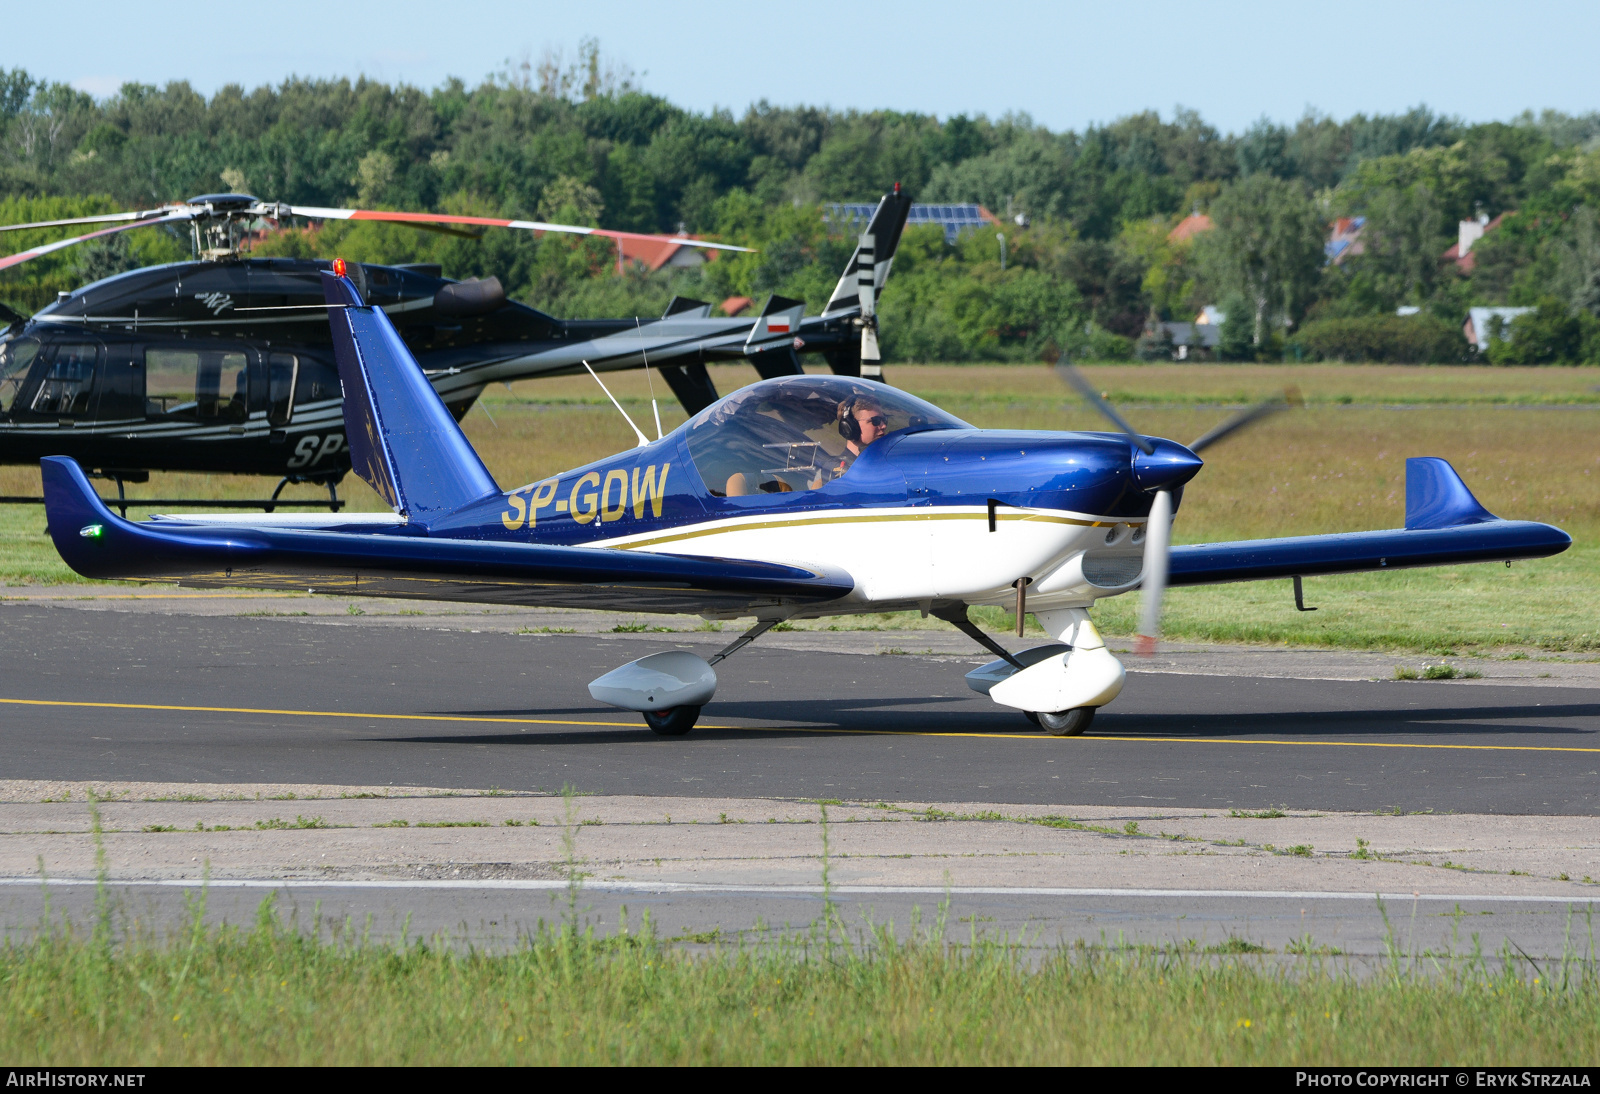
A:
(1168, 467)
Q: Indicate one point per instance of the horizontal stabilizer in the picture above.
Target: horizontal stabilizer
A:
(403, 441)
(402, 562)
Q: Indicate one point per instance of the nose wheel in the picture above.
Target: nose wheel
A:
(672, 722)
(1062, 723)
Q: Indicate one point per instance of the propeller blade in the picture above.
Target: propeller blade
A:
(1291, 398)
(1080, 383)
(1157, 549)
(23, 256)
(420, 219)
(103, 218)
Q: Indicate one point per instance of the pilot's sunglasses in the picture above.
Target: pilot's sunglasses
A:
(878, 420)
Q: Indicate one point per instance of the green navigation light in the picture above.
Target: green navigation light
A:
(91, 531)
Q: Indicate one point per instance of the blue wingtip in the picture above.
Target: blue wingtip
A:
(1437, 498)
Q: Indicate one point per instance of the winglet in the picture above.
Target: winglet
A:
(1437, 498)
(403, 441)
(74, 515)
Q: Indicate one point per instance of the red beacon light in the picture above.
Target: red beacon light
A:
(338, 267)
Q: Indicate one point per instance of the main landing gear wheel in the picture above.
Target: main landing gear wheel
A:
(1063, 723)
(675, 721)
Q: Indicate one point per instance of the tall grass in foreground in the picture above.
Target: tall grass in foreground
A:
(270, 994)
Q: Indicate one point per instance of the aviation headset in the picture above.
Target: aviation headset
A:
(849, 425)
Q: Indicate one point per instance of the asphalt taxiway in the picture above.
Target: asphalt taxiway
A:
(390, 770)
(217, 699)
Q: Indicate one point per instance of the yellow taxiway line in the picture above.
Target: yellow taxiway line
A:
(794, 729)
(159, 596)
(322, 713)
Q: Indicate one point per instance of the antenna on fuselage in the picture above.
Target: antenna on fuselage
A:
(654, 409)
(643, 440)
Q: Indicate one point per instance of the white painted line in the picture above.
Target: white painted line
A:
(541, 884)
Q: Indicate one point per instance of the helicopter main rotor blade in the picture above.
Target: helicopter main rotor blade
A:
(103, 218)
(1290, 398)
(1080, 383)
(23, 256)
(420, 219)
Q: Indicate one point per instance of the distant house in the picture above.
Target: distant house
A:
(1468, 233)
(661, 254)
(1204, 333)
(1344, 241)
(1480, 322)
(1190, 226)
(735, 306)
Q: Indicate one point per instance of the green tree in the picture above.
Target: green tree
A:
(1267, 247)
(1401, 243)
(1548, 335)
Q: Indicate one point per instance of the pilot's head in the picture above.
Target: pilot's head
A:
(861, 421)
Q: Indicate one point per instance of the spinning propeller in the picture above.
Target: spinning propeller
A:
(1158, 529)
(219, 221)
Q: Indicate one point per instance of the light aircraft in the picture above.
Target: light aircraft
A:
(795, 497)
(224, 364)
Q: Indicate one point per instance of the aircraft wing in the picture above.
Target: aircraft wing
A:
(396, 561)
(1445, 526)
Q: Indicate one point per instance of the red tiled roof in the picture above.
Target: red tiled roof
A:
(734, 305)
(1189, 227)
(653, 253)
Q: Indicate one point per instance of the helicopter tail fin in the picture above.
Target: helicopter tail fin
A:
(403, 440)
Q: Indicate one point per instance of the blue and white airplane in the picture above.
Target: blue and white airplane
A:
(796, 497)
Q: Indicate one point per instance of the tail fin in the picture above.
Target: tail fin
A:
(403, 441)
(887, 222)
(1437, 498)
(770, 346)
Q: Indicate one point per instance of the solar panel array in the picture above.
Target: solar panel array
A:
(955, 219)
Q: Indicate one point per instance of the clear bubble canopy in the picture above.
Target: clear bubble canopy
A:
(800, 432)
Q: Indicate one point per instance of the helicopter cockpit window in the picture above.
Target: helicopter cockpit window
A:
(66, 387)
(15, 360)
(197, 385)
(799, 433)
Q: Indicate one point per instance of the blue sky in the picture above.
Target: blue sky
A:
(1066, 64)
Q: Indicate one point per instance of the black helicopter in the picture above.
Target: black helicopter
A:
(224, 363)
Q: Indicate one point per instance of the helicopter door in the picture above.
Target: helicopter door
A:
(282, 371)
(16, 361)
(119, 393)
(66, 390)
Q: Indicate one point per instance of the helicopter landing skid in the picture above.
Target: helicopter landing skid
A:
(122, 503)
(334, 504)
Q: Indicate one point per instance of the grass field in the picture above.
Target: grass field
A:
(1526, 441)
(272, 995)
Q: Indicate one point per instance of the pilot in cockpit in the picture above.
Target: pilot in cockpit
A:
(861, 421)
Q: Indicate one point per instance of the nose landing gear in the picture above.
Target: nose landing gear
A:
(673, 722)
(1063, 723)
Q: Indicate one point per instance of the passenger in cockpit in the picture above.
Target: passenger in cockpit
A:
(861, 421)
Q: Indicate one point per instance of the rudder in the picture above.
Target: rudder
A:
(403, 440)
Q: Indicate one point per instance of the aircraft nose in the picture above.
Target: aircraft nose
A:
(1170, 465)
